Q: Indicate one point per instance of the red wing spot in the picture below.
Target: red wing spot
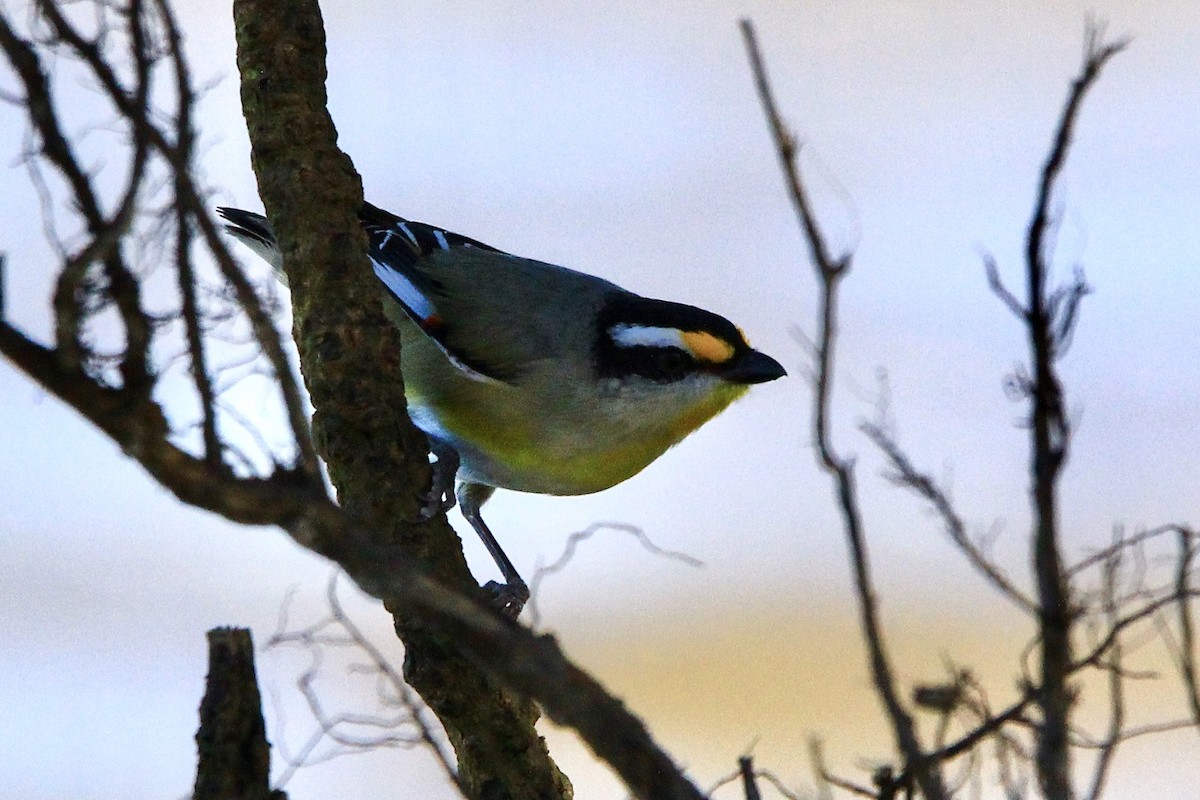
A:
(432, 324)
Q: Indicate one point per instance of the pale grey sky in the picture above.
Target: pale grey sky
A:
(625, 140)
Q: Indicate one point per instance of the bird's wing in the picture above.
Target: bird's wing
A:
(403, 254)
(490, 332)
(397, 248)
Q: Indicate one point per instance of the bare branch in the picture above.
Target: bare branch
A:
(141, 429)
(826, 779)
(1095, 656)
(1096, 54)
(1184, 594)
(992, 724)
(579, 537)
(1064, 310)
(122, 287)
(185, 142)
(777, 784)
(996, 284)
(749, 784)
(816, 759)
(829, 274)
(1050, 436)
(1123, 543)
(55, 147)
(739, 776)
(787, 148)
(1116, 681)
(338, 632)
(191, 201)
(906, 475)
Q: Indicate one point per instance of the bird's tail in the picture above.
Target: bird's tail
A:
(255, 232)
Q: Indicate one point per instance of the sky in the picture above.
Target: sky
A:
(625, 140)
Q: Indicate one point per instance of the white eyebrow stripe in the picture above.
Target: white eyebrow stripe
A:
(627, 335)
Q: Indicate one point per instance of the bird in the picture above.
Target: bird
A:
(533, 377)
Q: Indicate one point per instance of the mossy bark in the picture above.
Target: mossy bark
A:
(349, 355)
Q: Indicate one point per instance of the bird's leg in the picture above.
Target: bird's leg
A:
(511, 595)
(441, 482)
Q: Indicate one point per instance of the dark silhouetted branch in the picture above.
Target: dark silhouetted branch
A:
(749, 781)
(906, 475)
(235, 757)
(830, 272)
(1184, 594)
(1050, 318)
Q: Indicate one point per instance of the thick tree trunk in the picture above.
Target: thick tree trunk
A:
(350, 358)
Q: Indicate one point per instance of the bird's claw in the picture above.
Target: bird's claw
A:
(440, 497)
(433, 502)
(507, 598)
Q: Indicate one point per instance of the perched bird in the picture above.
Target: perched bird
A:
(533, 377)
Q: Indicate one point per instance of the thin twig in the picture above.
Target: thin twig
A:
(1126, 621)
(579, 537)
(1002, 292)
(1124, 543)
(908, 476)
(185, 142)
(826, 779)
(1116, 681)
(1187, 630)
(830, 271)
(338, 630)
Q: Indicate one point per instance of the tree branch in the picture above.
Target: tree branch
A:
(139, 426)
(908, 476)
(1116, 679)
(478, 670)
(235, 757)
(1187, 628)
(350, 356)
(1048, 323)
(829, 272)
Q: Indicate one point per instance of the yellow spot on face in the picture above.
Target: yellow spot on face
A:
(706, 347)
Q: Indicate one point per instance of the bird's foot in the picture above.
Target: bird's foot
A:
(440, 497)
(436, 500)
(507, 598)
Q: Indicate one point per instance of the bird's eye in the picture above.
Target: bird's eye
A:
(671, 363)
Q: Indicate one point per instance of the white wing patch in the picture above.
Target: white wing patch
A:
(403, 226)
(403, 289)
(471, 373)
(626, 335)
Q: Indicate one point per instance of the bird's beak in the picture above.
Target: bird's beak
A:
(753, 367)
